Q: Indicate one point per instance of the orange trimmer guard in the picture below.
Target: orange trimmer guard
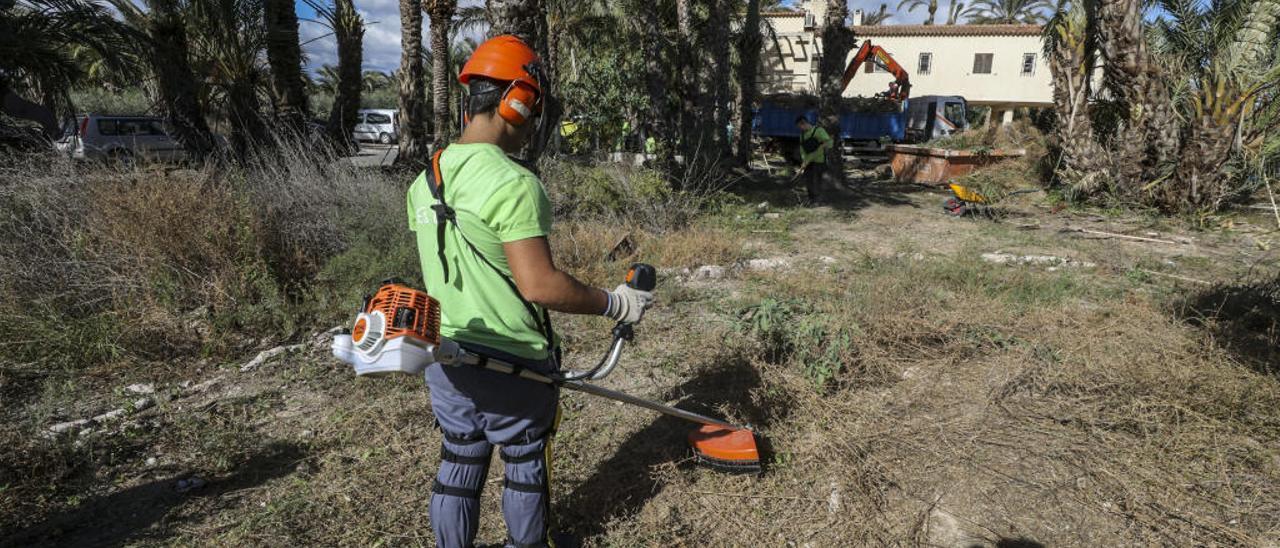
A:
(729, 449)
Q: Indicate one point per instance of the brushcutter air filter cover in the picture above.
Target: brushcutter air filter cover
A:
(369, 331)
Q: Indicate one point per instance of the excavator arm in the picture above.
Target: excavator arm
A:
(899, 90)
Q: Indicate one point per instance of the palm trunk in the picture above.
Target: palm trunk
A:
(285, 56)
(247, 127)
(518, 17)
(749, 64)
(1082, 162)
(177, 83)
(527, 20)
(1146, 147)
(721, 78)
(690, 140)
(837, 40)
(659, 125)
(933, 11)
(441, 15)
(349, 31)
(413, 134)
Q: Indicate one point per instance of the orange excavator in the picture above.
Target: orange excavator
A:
(899, 89)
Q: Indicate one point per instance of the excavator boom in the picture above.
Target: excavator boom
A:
(899, 90)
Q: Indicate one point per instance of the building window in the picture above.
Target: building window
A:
(926, 63)
(1028, 64)
(982, 63)
(871, 66)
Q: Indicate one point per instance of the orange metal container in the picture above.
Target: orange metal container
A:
(935, 166)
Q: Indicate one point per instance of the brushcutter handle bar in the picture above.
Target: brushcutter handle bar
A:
(640, 276)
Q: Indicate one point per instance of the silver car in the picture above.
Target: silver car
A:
(120, 138)
(381, 125)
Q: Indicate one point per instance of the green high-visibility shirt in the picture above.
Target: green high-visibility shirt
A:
(818, 156)
(496, 201)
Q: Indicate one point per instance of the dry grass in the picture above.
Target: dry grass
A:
(955, 402)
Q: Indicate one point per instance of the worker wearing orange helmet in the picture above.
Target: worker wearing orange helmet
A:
(481, 222)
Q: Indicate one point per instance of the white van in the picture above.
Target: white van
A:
(378, 124)
(121, 138)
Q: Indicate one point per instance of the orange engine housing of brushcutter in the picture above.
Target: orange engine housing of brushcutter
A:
(404, 311)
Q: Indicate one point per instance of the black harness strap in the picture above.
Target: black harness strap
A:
(461, 440)
(450, 456)
(536, 455)
(446, 214)
(442, 489)
(524, 487)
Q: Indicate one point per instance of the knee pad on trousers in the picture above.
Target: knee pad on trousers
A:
(455, 500)
(526, 493)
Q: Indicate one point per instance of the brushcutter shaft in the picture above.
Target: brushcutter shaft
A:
(653, 406)
(504, 367)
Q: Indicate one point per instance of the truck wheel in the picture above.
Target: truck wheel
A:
(384, 138)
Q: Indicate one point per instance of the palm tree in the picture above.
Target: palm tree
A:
(1184, 98)
(227, 37)
(161, 33)
(1219, 64)
(285, 56)
(660, 116)
(956, 10)
(519, 17)
(988, 12)
(39, 43)
(911, 5)
(441, 13)
(879, 17)
(345, 81)
(749, 44)
(326, 79)
(413, 131)
(837, 40)
(525, 19)
(716, 114)
(1072, 54)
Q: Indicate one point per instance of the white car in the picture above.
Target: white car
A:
(376, 124)
(120, 138)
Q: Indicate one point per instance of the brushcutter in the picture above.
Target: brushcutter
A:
(398, 331)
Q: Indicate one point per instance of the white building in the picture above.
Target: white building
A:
(1000, 66)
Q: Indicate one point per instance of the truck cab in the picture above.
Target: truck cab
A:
(932, 116)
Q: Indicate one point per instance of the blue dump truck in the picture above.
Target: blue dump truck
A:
(913, 120)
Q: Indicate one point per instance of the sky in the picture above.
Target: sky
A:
(381, 34)
(382, 31)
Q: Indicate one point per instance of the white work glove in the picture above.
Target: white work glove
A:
(627, 304)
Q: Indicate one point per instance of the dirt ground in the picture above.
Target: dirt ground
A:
(1063, 403)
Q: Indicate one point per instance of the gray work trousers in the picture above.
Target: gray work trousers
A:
(478, 409)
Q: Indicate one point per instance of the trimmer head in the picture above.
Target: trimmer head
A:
(728, 449)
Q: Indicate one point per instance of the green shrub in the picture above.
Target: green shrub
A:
(102, 101)
(795, 332)
(145, 264)
(624, 194)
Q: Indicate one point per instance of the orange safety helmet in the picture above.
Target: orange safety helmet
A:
(506, 58)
